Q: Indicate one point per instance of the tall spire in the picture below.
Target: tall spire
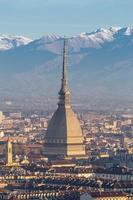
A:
(64, 71)
(64, 94)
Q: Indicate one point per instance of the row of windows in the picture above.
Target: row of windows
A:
(55, 140)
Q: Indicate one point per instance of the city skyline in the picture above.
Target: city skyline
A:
(37, 18)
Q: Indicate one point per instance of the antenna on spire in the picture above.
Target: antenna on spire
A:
(64, 72)
(64, 92)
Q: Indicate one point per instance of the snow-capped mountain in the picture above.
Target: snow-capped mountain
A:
(52, 42)
(9, 42)
(93, 40)
(99, 63)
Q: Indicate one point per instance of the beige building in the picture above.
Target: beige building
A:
(1, 116)
(16, 115)
(64, 135)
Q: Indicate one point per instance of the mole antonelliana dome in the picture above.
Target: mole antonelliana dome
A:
(64, 135)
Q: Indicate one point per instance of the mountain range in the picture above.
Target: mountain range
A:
(100, 68)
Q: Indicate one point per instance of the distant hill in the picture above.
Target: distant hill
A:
(100, 66)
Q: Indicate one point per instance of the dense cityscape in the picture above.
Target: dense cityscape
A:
(108, 168)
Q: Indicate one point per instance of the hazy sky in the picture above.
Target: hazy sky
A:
(35, 18)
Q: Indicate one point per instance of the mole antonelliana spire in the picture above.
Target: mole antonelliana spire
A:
(64, 135)
(64, 91)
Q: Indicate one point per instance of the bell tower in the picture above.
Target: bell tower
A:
(9, 152)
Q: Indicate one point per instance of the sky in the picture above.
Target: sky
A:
(34, 18)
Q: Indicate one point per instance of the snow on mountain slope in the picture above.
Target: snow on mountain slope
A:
(53, 43)
(9, 42)
(48, 42)
(93, 40)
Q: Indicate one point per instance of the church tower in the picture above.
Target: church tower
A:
(64, 135)
(9, 153)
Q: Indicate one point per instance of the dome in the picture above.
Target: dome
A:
(64, 126)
